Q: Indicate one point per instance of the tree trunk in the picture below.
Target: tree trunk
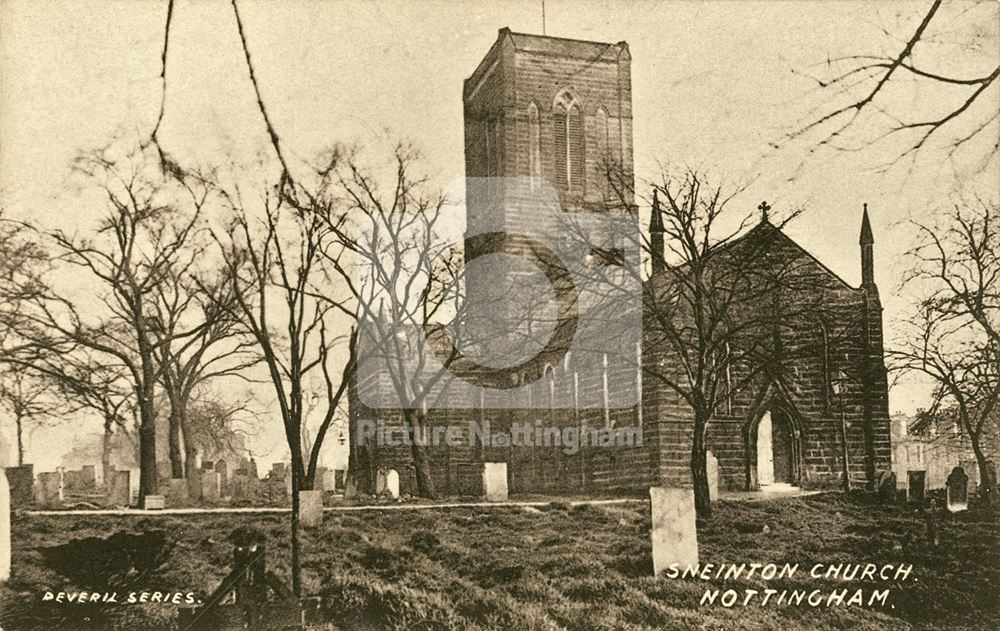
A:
(421, 463)
(986, 481)
(106, 452)
(174, 439)
(20, 442)
(296, 539)
(699, 472)
(149, 483)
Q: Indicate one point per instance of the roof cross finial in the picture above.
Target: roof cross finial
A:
(763, 208)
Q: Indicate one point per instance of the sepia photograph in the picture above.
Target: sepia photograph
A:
(327, 315)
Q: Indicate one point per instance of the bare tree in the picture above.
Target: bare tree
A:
(217, 347)
(281, 298)
(948, 58)
(402, 278)
(148, 232)
(29, 399)
(952, 336)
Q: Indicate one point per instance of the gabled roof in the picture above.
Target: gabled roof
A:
(766, 229)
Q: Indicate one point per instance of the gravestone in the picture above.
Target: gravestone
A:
(311, 508)
(252, 470)
(392, 483)
(712, 470)
(278, 470)
(239, 487)
(958, 490)
(4, 530)
(350, 488)
(88, 474)
(194, 485)
(329, 480)
(21, 481)
(119, 486)
(886, 486)
(495, 481)
(210, 486)
(971, 468)
(177, 491)
(49, 490)
(673, 533)
(134, 480)
(154, 502)
(339, 476)
(222, 468)
(72, 481)
(915, 486)
(380, 482)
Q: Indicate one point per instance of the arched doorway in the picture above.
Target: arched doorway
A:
(775, 449)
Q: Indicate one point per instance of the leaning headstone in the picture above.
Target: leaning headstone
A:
(915, 486)
(49, 490)
(392, 483)
(495, 481)
(4, 530)
(673, 533)
(958, 490)
(712, 470)
(21, 481)
(311, 508)
(118, 487)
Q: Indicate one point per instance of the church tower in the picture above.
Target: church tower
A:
(554, 110)
(548, 149)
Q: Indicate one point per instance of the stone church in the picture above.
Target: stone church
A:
(558, 109)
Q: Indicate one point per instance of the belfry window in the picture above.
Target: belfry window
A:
(567, 134)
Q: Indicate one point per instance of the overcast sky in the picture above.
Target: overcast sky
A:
(714, 84)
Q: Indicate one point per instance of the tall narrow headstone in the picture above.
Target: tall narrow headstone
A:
(210, 486)
(915, 486)
(311, 508)
(495, 481)
(712, 470)
(673, 533)
(119, 488)
(380, 482)
(329, 480)
(222, 468)
(958, 490)
(4, 530)
(392, 483)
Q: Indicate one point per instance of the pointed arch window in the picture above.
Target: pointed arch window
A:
(568, 137)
